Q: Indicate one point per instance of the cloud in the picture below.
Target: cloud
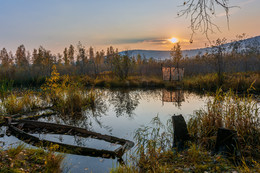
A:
(149, 41)
(156, 41)
(130, 40)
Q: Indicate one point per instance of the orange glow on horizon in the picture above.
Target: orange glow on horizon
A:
(173, 40)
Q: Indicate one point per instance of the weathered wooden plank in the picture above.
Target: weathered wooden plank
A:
(28, 125)
(61, 129)
(66, 148)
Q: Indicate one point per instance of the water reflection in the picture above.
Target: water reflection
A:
(176, 97)
(124, 102)
(111, 116)
(86, 118)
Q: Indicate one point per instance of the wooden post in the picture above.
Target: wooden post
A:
(181, 135)
(227, 144)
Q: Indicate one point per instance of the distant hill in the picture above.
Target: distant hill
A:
(162, 55)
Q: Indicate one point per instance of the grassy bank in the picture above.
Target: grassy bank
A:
(21, 159)
(209, 82)
(154, 152)
(237, 81)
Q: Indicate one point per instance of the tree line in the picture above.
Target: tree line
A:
(24, 67)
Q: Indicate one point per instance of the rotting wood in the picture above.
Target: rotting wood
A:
(181, 135)
(28, 125)
(227, 144)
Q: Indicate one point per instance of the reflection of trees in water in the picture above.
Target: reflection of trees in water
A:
(86, 118)
(124, 102)
(177, 97)
(150, 95)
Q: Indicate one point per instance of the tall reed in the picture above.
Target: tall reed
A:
(229, 110)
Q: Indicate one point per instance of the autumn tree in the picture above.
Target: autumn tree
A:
(91, 53)
(176, 55)
(59, 59)
(21, 57)
(11, 58)
(121, 66)
(110, 55)
(81, 57)
(47, 61)
(65, 57)
(4, 57)
(35, 58)
(99, 59)
(218, 52)
(139, 59)
(71, 52)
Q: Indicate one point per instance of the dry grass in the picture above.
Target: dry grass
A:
(17, 102)
(21, 159)
(233, 112)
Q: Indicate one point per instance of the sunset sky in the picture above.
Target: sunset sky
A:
(125, 24)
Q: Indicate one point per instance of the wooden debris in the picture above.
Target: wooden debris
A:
(227, 144)
(29, 126)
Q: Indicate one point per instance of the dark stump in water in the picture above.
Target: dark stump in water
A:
(181, 135)
(227, 144)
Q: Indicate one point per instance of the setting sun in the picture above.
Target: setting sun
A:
(173, 40)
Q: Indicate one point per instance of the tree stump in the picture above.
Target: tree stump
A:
(227, 144)
(181, 135)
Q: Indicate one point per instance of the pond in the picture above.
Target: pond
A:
(118, 113)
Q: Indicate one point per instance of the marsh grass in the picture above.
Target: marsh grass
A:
(67, 96)
(242, 81)
(203, 82)
(21, 159)
(130, 82)
(6, 87)
(154, 152)
(236, 81)
(16, 102)
(207, 82)
(231, 111)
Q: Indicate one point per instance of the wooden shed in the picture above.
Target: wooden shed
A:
(172, 73)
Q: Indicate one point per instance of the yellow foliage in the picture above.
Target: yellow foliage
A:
(52, 84)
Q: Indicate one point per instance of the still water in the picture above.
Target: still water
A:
(118, 113)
